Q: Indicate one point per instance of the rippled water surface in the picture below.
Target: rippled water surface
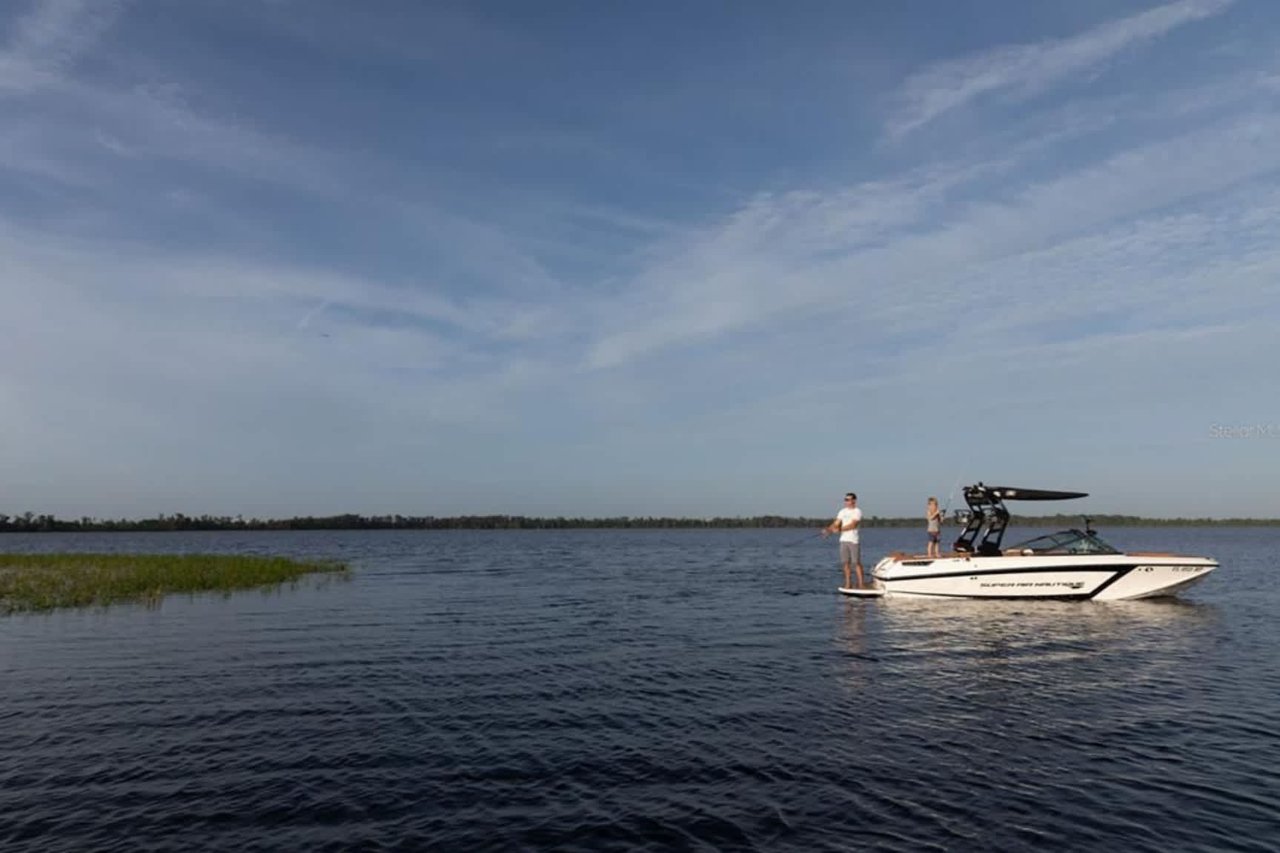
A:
(640, 689)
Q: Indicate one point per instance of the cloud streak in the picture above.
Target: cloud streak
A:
(1023, 70)
(879, 244)
(49, 39)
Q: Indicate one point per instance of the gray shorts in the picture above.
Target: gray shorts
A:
(851, 552)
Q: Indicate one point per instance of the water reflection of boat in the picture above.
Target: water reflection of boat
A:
(991, 634)
(1071, 564)
(969, 666)
(1014, 618)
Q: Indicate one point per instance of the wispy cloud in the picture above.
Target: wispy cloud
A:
(1026, 69)
(138, 138)
(809, 252)
(62, 124)
(48, 40)
(159, 348)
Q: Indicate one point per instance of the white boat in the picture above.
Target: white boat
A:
(1072, 564)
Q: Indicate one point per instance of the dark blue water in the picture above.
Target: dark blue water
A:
(663, 690)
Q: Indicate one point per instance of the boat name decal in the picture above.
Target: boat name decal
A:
(1023, 584)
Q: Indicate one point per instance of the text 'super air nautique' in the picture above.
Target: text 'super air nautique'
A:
(1069, 564)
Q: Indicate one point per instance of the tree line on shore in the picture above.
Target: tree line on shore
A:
(29, 522)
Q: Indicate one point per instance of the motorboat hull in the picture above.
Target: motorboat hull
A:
(1110, 577)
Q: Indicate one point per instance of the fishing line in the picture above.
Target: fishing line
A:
(799, 541)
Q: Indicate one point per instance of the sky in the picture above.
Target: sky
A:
(659, 258)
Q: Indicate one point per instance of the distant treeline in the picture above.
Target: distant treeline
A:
(31, 523)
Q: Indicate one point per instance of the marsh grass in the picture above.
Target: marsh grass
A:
(48, 581)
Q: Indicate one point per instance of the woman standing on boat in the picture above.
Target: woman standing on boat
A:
(933, 519)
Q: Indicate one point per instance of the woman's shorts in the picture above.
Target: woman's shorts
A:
(935, 536)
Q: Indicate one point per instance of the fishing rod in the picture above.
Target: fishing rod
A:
(951, 496)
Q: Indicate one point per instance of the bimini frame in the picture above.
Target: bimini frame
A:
(988, 518)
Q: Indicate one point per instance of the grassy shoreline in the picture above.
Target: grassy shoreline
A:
(34, 582)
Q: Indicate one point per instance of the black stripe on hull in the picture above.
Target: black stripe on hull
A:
(1120, 570)
(1113, 579)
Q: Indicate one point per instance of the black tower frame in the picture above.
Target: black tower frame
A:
(988, 518)
(986, 510)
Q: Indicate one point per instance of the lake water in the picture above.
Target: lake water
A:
(597, 690)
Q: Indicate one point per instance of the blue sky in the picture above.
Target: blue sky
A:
(652, 258)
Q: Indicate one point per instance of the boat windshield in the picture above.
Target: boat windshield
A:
(1066, 542)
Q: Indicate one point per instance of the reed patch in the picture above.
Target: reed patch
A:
(48, 581)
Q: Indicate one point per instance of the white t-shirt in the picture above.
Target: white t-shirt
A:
(846, 515)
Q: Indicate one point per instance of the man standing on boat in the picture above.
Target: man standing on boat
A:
(846, 523)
